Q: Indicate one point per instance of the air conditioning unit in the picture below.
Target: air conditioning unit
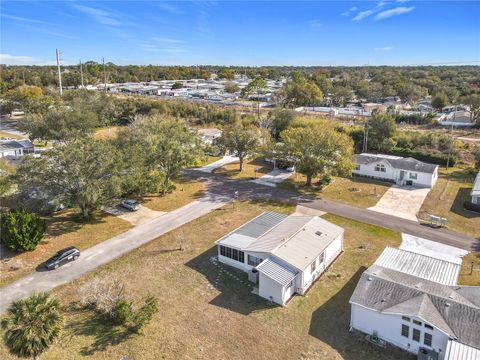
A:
(427, 354)
(253, 276)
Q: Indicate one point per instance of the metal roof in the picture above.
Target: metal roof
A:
(476, 186)
(459, 351)
(279, 234)
(425, 267)
(6, 145)
(248, 232)
(276, 271)
(308, 243)
(397, 162)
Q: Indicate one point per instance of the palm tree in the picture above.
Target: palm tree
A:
(32, 324)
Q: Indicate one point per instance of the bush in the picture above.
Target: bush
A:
(144, 315)
(21, 230)
(438, 159)
(416, 119)
(103, 295)
(123, 312)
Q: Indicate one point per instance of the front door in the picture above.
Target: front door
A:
(402, 175)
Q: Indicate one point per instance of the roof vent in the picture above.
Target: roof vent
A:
(369, 278)
(450, 296)
(318, 232)
(447, 304)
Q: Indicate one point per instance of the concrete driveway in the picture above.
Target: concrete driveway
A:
(274, 177)
(403, 202)
(141, 216)
(219, 163)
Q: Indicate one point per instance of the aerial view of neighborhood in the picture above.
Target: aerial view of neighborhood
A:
(258, 180)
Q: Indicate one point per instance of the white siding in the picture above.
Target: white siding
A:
(369, 170)
(476, 200)
(267, 288)
(389, 328)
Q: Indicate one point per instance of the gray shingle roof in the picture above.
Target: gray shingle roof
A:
(409, 164)
(381, 289)
(6, 145)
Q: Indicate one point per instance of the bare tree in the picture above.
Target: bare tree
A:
(102, 294)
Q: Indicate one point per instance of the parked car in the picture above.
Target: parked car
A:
(132, 205)
(62, 257)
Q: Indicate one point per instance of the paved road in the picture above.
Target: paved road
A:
(109, 250)
(249, 190)
(10, 126)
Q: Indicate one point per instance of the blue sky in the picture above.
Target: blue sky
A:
(395, 32)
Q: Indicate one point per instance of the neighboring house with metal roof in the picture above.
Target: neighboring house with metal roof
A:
(413, 301)
(475, 193)
(396, 169)
(15, 148)
(283, 254)
(210, 135)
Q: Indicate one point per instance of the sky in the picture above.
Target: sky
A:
(253, 33)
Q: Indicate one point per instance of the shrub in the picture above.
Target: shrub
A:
(103, 295)
(438, 159)
(21, 230)
(144, 315)
(123, 312)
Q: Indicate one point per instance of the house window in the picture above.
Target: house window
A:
(321, 258)
(413, 176)
(253, 260)
(233, 254)
(405, 330)
(406, 318)
(416, 322)
(429, 326)
(357, 167)
(380, 168)
(416, 335)
(313, 266)
(427, 339)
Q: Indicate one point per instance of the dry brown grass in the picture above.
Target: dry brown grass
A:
(470, 274)
(62, 231)
(199, 319)
(7, 135)
(360, 192)
(446, 199)
(248, 172)
(186, 191)
(107, 133)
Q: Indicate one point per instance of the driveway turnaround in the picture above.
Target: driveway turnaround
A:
(109, 250)
(403, 202)
(139, 217)
(219, 163)
(273, 178)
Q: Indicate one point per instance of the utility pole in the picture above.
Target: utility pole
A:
(451, 137)
(104, 75)
(81, 73)
(365, 137)
(59, 73)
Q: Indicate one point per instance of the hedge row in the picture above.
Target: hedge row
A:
(438, 159)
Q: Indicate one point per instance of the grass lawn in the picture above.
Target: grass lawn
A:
(362, 192)
(62, 231)
(473, 278)
(7, 135)
(446, 199)
(207, 160)
(248, 171)
(186, 191)
(199, 319)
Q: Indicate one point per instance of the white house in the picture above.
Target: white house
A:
(475, 193)
(412, 301)
(15, 148)
(210, 135)
(283, 254)
(396, 169)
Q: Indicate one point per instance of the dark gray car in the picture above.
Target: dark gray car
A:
(62, 257)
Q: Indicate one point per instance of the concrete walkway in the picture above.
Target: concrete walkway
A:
(402, 202)
(109, 250)
(219, 163)
(274, 177)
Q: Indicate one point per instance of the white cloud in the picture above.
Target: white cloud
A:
(168, 40)
(24, 19)
(394, 12)
(363, 14)
(385, 48)
(315, 24)
(100, 16)
(349, 11)
(173, 9)
(8, 59)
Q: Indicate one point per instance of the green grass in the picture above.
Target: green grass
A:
(201, 320)
(360, 192)
(251, 169)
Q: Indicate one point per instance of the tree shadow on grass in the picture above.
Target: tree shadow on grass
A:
(235, 289)
(105, 334)
(330, 324)
(462, 196)
(67, 221)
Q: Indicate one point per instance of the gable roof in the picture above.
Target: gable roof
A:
(476, 186)
(448, 309)
(398, 162)
(425, 267)
(6, 145)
